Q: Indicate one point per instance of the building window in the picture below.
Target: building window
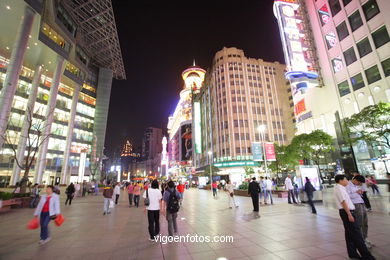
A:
(324, 14)
(343, 88)
(342, 31)
(337, 64)
(370, 9)
(357, 82)
(335, 6)
(355, 20)
(380, 37)
(386, 67)
(364, 47)
(349, 56)
(372, 74)
(346, 2)
(330, 40)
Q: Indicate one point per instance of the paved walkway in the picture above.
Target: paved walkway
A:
(283, 232)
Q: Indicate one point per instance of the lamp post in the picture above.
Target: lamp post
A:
(261, 129)
(210, 153)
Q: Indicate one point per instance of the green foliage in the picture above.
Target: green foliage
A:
(286, 158)
(371, 125)
(10, 195)
(249, 170)
(243, 186)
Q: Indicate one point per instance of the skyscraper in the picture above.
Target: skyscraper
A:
(151, 143)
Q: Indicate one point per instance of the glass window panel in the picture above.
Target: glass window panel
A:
(364, 47)
(342, 31)
(373, 74)
(355, 20)
(380, 37)
(386, 67)
(370, 9)
(335, 6)
(350, 56)
(357, 81)
(343, 88)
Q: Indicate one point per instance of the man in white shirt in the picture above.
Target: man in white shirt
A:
(290, 189)
(154, 195)
(268, 188)
(353, 235)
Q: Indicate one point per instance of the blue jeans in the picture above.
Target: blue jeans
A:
(44, 221)
(34, 201)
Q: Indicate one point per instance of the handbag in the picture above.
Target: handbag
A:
(33, 224)
(59, 220)
(146, 200)
(112, 205)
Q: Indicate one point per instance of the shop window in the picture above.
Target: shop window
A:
(380, 37)
(335, 6)
(386, 67)
(370, 9)
(343, 88)
(372, 74)
(364, 47)
(346, 2)
(355, 20)
(357, 81)
(350, 56)
(342, 31)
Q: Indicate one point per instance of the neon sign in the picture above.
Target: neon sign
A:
(197, 128)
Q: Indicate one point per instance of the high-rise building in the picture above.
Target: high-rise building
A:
(351, 46)
(151, 143)
(57, 61)
(239, 95)
(180, 147)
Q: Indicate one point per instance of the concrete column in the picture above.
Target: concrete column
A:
(13, 69)
(26, 124)
(49, 117)
(65, 166)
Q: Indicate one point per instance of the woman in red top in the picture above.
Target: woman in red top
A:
(214, 186)
(180, 189)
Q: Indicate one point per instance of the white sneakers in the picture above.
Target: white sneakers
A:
(42, 242)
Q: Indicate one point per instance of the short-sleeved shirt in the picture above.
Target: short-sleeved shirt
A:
(352, 192)
(340, 194)
(154, 198)
(288, 184)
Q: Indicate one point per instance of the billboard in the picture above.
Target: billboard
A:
(197, 128)
(270, 151)
(257, 152)
(186, 142)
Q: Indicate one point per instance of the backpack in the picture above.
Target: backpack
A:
(173, 202)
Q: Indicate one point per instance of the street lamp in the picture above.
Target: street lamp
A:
(210, 153)
(261, 129)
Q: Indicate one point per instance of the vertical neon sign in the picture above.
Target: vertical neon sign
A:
(197, 128)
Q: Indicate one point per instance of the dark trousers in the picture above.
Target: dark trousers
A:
(353, 238)
(255, 201)
(154, 223)
(34, 201)
(136, 200)
(311, 203)
(44, 221)
(84, 191)
(69, 198)
(366, 200)
(214, 192)
(116, 198)
(291, 194)
(374, 188)
(131, 199)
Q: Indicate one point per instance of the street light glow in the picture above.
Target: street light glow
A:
(261, 128)
(210, 152)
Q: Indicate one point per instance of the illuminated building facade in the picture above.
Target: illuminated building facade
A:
(352, 48)
(54, 61)
(180, 146)
(239, 95)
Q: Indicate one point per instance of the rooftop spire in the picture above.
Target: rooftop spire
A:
(194, 63)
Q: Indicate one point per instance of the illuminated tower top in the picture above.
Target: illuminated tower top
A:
(193, 78)
(127, 149)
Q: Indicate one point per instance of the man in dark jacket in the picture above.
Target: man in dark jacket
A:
(107, 194)
(254, 190)
(309, 189)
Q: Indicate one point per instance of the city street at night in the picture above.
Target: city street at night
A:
(282, 232)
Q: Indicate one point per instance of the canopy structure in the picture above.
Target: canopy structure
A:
(96, 22)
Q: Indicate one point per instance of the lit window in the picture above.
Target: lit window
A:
(370, 9)
(380, 37)
(372, 74)
(364, 47)
(357, 81)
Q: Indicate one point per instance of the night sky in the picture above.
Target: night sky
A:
(159, 39)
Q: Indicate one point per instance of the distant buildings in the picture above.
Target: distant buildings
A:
(151, 143)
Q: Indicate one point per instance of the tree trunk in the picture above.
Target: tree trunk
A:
(24, 181)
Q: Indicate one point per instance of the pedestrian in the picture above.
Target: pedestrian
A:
(364, 194)
(223, 184)
(17, 188)
(153, 208)
(70, 190)
(77, 187)
(214, 187)
(130, 191)
(230, 192)
(171, 198)
(309, 189)
(117, 192)
(34, 195)
(136, 194)
(107, 194)
(353, 237)
(254, 190)
(268, 186)
(374, 185)
(96, 187)
(290, 189)
(84, 188)
(180, 189)
(48, 208)
(355, 192)
(263, 188)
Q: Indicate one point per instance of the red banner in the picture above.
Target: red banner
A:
(270, 152)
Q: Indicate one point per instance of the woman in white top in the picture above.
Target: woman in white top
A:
(154, 196)
(230, 191)
(117, 192)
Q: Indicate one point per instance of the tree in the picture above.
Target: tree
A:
(371, 125)
(286, 158)
(35, 137)
(249, 170)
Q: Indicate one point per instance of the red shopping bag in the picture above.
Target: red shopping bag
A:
(59, 220)
(33, 224)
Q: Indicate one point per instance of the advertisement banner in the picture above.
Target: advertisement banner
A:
(270, 152)
(186, 142)
(257, 152)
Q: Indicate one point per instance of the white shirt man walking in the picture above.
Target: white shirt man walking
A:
(290, 189)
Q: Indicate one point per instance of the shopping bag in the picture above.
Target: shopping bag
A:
(112, 205)
(59, 220)
(33, 224)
